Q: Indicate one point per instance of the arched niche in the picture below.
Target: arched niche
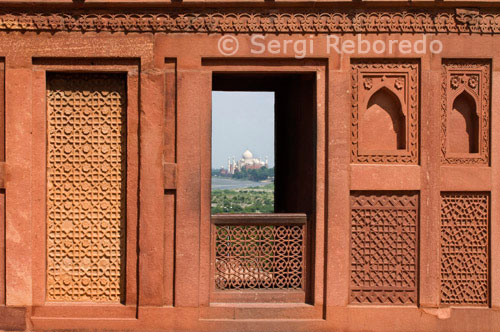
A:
(463, 126)
(383, 124)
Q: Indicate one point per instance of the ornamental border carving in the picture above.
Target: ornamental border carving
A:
(407, 68)
(255, 21)
(476, 67)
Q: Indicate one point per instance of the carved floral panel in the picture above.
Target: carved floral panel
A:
(385, 111)
(384, 256)
(470, 78)
(86, 171)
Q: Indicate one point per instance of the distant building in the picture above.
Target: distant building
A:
(247, 161)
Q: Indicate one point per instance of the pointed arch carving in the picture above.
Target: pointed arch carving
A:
(384, 117)
(465, 112)
(382, 124)
(464, 125)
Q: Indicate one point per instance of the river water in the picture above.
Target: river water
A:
(225, 183)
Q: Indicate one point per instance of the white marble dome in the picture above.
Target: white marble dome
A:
(247, 155)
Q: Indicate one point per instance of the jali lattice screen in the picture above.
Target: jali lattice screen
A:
(384, 247)
(464, 248)
(259, 257)
(86, 173)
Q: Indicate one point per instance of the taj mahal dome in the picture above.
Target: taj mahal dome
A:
(247, 161)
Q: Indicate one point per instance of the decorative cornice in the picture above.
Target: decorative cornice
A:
(253, 21)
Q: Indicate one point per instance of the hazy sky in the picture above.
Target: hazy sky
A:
(240, 121)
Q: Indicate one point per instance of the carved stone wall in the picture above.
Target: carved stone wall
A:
(86, 172)
(464, 248)
(397, 84)
(428, 20)
(469, 78)
(384, 254)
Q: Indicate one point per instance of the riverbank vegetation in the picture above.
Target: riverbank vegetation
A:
(244, 200)
(260, 174)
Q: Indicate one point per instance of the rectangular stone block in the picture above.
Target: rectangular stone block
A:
(12, 318)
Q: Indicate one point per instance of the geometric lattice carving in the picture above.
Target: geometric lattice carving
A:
(464, 248)
(470, 78)
(384, 247)
(259, 257)
(384, 89)
(86, 173)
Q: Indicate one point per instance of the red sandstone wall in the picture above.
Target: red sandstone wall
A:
(448, 270)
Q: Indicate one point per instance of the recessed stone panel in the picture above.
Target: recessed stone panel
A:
(384, 114)
(384, 256)
(86, 173)
(465, 112)
(464, 248)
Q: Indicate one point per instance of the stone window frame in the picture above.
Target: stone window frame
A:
(314, 294)
(129, 68)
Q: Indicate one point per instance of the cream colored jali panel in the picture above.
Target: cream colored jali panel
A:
(86, 171)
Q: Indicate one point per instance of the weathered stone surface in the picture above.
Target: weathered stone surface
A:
(12, 318)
